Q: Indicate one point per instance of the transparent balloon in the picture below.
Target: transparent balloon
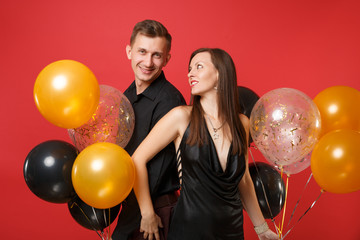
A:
(285, 125)
(297, 166)
(113, 121)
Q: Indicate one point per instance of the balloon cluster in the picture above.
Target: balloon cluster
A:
(335, 159)
(293, 132)
(100, 122)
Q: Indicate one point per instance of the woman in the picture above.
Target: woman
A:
(211, 138)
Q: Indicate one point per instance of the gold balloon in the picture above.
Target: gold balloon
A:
(103, 175)
(66, 93)
(338, 106)
(335, 161)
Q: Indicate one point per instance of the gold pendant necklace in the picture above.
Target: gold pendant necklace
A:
(215, 134)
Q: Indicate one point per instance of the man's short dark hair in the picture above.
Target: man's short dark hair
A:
(151, 28)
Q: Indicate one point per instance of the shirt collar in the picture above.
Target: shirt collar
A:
(152, 91)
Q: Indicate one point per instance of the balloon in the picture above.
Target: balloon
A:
(90, 217)
(103, 175)
(285, 125)
(298, 166)
(47, 171)
(335, 161)
(66, 93)
(247, 99)
(113, 121)
(267, 178)
(338, 108)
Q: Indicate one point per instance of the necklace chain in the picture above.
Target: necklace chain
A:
(215, 134)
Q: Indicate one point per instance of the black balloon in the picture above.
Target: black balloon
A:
(247, 99)
(47, 171)
(267, 178)
(90, 217)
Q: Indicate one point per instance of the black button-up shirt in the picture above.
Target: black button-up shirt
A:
(149, 107)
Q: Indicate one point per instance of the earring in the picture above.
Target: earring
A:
(215, 88)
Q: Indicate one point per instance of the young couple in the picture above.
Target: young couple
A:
(204, 143)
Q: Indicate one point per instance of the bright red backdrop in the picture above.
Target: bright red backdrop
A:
(308, 45)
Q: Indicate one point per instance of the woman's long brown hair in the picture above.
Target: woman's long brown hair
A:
(228, 102)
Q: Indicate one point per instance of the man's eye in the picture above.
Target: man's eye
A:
(157, 55)
(142, 51)
(199, 66)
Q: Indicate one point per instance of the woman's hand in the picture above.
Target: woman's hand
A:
(268, 235)
(149, 225)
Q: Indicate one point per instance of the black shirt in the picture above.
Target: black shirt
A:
(149, 107)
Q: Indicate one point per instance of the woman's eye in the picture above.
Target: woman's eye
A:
(199, 66)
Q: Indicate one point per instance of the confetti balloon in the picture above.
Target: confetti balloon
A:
(113, 121)
(297, 166)
(285, 125)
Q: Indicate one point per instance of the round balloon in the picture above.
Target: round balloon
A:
(113, 121)
(285, 125)
(335, 161)
(247, 99)
(90, 217)
(338, 109)
(47, 171)
(66, 93)
(103, 175)
(296, 167)
(269, 188)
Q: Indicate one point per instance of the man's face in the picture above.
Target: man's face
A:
(148, 56)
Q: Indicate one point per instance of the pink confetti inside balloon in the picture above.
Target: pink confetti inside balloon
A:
(113, 121)
(285, 125)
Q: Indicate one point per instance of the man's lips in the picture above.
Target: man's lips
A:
(146, 70)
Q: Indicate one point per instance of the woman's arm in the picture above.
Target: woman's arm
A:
(168, 129)
(248, 196)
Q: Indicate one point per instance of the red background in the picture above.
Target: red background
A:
(308, 45)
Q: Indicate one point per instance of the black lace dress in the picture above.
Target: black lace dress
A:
(209, 206)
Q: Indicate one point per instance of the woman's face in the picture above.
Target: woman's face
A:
(203, 76)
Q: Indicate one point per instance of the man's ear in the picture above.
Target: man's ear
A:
(167, 59)
(128, 51)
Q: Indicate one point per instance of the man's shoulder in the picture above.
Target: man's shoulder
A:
(169, 91)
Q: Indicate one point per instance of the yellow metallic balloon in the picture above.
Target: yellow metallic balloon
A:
(103, 175)
(338, 106)
(335, 161)
(66, 93)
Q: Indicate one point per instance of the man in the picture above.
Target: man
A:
(151, 96)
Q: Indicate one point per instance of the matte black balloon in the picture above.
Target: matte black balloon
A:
(267, 176)
(47, 171)
(247, 99)
(90, 217)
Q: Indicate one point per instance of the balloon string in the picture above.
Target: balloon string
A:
(263, 189)
(72, 205)
(109, 225)
(284, 209)
(297, 203)
(311, 206)
(262, 185)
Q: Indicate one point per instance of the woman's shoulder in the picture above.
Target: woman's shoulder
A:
(183, 111)
(244, 120)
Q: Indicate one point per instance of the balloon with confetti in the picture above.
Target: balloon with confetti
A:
(285, 125)
(113, 121)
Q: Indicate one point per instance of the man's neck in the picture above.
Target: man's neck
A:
(141, 86)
